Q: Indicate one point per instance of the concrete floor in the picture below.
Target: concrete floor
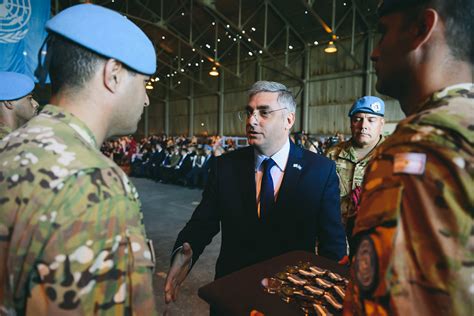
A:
(166, 209)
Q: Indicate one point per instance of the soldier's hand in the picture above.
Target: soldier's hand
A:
(178, 271)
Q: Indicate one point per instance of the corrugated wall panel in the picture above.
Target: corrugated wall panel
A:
(233, 126)
(272, 70)
(205, 115)
(247, 76)
(393, 111)
(156, 118)
(324, 63)
(179, 117)
(327, 119)
(335, 91)
(234, 102)
(298, 93)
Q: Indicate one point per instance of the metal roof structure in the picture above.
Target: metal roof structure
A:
(192, 36)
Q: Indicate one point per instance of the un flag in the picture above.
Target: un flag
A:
(21, 33)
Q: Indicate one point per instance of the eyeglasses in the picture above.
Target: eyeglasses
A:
(264, 114)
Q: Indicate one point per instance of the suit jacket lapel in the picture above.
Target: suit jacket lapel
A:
(294, 166)
(246, 175)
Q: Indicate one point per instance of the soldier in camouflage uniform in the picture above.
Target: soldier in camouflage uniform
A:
(415, 231)
(72, 239)
(17, 105)
(352, 156)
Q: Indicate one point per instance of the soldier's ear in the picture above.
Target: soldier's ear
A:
(8, 104)
(112, 74)
(425, 27)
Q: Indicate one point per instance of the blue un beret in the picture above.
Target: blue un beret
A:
(14, 86)
(368, 104)
(106, 33)
(388, 6)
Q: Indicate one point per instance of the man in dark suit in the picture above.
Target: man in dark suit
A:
(269, 198)
(155, 160)
(184, 165)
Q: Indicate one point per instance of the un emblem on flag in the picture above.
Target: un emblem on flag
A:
(14, 18)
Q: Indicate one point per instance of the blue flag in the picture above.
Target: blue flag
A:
(22, 32)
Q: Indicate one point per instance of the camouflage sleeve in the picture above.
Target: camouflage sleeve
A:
(415, 234)
(97, 260)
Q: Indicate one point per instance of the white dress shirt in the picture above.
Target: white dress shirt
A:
(277, 172)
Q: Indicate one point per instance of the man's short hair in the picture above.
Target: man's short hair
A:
(285, 96)
(457, 16)
(71, 65)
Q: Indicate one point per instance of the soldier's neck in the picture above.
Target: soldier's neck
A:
(7, 117)
(429, 79)
(362, 152)
(85, 109)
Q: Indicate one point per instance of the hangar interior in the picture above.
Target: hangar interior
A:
(248, 40)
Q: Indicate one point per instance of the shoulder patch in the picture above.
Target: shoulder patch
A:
(409, 163)
(366, 265)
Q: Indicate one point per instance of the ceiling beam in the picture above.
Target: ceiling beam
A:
(309, 7)
(184, 41)
(181, 37)
(218, 15)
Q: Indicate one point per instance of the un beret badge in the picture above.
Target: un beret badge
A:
(376, 107)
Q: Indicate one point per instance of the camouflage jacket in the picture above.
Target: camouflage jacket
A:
(71, 234)
(4, 131)
(350, 172)
(415, 227)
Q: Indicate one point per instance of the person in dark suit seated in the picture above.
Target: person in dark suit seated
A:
(197, 177)
(145, 161)
(166, 170)
(269, 198)
(184, 165)
(156, 159)
(197, 163)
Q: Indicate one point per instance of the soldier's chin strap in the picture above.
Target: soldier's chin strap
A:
(42, 70)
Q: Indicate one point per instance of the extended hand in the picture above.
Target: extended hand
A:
(178, 271)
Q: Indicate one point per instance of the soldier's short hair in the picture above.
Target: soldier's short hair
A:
(71, 65)
(457, 16)
(285, 96)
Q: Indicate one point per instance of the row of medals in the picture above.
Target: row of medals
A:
(317, 291)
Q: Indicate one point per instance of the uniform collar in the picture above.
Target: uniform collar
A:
(72, 121)
(450, 91)
(349, 152)
(5, 129)
(280, 157)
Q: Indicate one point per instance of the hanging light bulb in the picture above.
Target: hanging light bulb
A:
(331, 48)
(214, 72)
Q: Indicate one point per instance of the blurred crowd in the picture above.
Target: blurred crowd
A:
(186, 160)
(167, 159)
(317, 145)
